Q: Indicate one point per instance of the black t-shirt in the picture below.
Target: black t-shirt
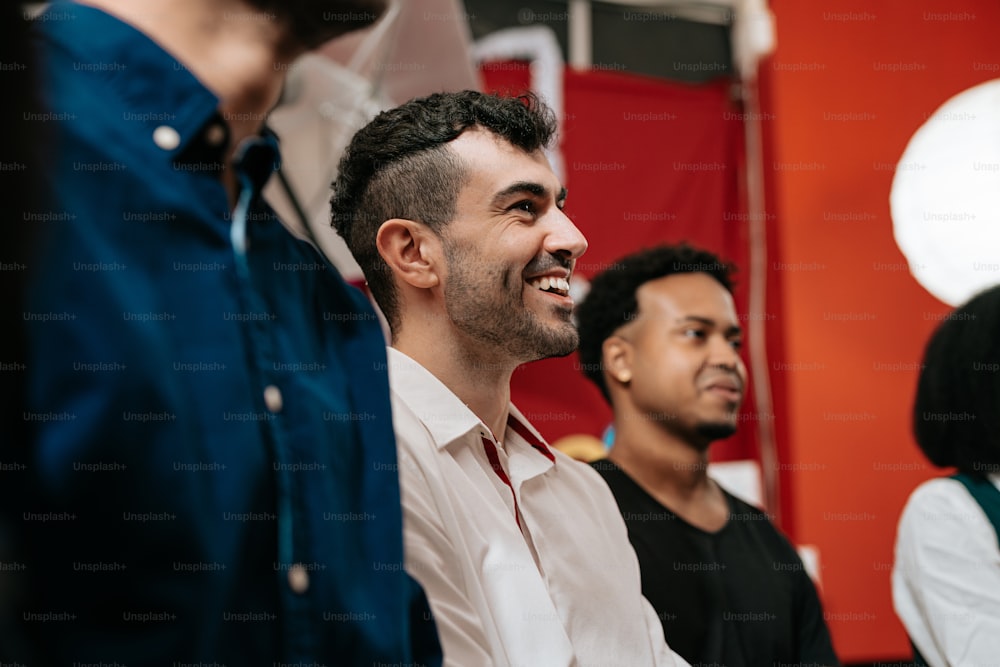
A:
(739, 597)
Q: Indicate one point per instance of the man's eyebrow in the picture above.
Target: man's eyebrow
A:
(734, 330)
(526, 187)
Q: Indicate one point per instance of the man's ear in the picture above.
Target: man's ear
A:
(411, 250)
(617, 357)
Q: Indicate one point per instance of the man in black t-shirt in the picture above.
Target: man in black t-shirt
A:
(659, 336)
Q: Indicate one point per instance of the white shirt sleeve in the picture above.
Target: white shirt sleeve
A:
(615, 528)
(946, 576)
(665, 656)
(432, 561)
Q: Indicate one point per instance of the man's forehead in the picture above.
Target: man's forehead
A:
(478, 143)
(682, 295)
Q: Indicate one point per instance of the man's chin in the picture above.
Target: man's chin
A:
(712, 431)
(558, 342)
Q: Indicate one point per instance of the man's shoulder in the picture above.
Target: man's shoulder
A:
(414, 439)
(762, 525)
(576, 468)
(586, 483)
(614, 477)
(753, 517)
(605, 468)
(743, 510)
(404, 417)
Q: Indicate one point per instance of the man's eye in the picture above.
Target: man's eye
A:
(736, 343)
(694, 333)
(526, 206)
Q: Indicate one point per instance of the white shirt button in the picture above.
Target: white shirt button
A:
(166, 137)
(272, 398)
(298, 578)
(215, 135)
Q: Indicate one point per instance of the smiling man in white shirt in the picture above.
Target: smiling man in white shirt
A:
(454, 214)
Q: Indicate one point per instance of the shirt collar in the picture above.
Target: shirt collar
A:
(174, 116)
(443, 413)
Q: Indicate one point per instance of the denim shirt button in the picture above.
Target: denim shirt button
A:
(272, 399)
(166, 137)
(298, 578)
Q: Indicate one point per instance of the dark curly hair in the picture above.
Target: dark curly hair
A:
(399, 166)
(956, 412)
(611, 301)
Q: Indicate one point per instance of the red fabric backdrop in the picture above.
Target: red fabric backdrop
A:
(885, 67)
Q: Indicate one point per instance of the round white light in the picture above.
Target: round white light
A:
(945, 198)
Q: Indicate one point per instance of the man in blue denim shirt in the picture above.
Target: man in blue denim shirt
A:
(207, 472)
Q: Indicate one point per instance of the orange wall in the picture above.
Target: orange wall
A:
(848, 85)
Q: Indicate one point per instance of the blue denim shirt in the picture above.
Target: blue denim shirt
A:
(210, 473)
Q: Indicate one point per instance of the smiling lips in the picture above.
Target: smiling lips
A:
(728, 387)
(551, 284)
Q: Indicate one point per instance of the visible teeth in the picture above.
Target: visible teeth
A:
(551, 283)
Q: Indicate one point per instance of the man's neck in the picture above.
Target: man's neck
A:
(670, 469)
(239, 53)
(660, 460)
(479, 381)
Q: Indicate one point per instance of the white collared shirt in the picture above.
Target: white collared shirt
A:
(946, 576)
(537, 573)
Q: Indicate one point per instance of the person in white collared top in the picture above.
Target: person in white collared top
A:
(946, 575)
(455, 215)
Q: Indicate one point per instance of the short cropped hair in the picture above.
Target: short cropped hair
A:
(956, 412)
(399, 166)
(611, 301)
